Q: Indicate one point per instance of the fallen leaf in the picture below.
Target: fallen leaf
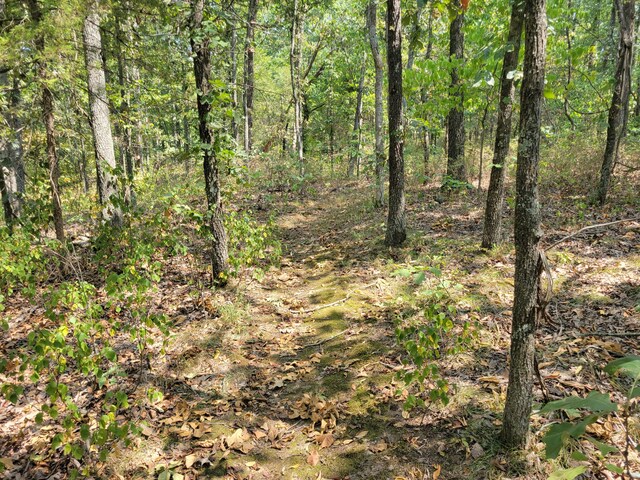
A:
(325, 440)
(189, 460)
(362, 434)
(313, 458)
(476, 450)
(436, 472)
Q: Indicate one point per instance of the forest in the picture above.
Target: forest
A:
(319, 239)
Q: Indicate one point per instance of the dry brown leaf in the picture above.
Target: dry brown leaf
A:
(476, 450)
(436, 472)
(189, 460)
(362, 434)
(325, 440)
(313, 458)
(378, 447)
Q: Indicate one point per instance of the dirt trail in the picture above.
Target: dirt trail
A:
(296, 382)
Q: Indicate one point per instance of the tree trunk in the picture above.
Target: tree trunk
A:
(295, 55)
(396, 223)
(249, 50)
(202, 72)
(100, 119)
(12, 173)
(372, 17)
(517, 409)
(424, 97)
(620, 100)
(456, 168)
(492, 232)
(125, 144)
(49, 125)
(567, 34)
(354, 160)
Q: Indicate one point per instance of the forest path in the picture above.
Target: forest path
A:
(293, 376)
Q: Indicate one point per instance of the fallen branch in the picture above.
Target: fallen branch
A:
(608, 334)
(590, 227)
(337, 302)
(325, 340)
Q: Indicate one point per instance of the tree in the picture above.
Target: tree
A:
(200, 45)
(295, 59)
(372, 16)
(249, 75)
(48, 119)
(354, 161)
(396, 223)
(100, 118)
(455, 120)
(12, 175)
(495, 195)
(517, 408)
(618, 111)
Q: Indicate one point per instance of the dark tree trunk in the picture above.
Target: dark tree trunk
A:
(249, 50)
(456, 168)
(515, 429)
(620, 101)
(49, 125)
(354, 161)
(396, 223)
(372, 17)
(100, 119)
(492, 232)
(125, 143)
(202, 72)
(233, 80)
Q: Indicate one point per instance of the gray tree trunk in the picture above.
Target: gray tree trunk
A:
(12, 175)
(372, 17)
(202, 73)
(621, 93)
(396, 223)
(515, 429)
(354, 160)
(233, 80)
(492, 231)
(100, 118)
(295, 55)
(249, 50)
(456, 168)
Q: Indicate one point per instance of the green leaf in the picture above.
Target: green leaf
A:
(560, 433)
(567, 473)
(629, 365)
(548, 94)
(614, 468)
(604, 448)
(596, 402)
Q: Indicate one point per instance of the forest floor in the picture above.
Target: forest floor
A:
(293, 375)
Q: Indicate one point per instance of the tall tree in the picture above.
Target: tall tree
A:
(517, 408)
(396, 223)
(354, 160)
(372, 21)
(491, 234)
(618, 111)
(200, 46)
(100, 118)
(12, 175)
(48, 119)
(455, 120)
(249, 50)
(295, 60)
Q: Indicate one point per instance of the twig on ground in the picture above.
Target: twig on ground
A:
(321, 307)
(325, 340)
(590, 227)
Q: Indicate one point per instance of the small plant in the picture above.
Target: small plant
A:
(431, 338)
(583, 412)
(450, 184)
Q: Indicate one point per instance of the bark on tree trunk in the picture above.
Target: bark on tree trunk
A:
(125, 144)
(396, 223)
(620, 101)
(12, 173)
(100, 118)
(233, 80)
(295, 55)
(517, 409)
(424, 97)
(456, 168)
(202, 72)
(354, 161)
(492, 232)
(249, 76)
(372, 16)
(49, 125)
